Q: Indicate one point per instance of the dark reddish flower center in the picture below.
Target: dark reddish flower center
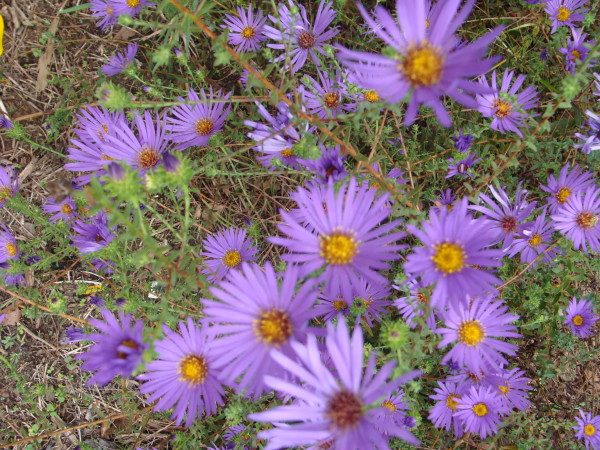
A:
(344, 410)
(306, 40)
(193, 369)
(508, 224)
(273, 327)
(127, 343)
(147, 158)
(331, 99)
(586, 220)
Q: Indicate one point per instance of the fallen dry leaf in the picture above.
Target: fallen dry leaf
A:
(46, 58)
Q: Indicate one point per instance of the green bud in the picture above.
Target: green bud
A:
(394, 334)
(57, 302)
(17, 132)
(113, 97)
(162, 56)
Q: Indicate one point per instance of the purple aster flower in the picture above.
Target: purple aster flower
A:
(578, 220)
(117, 348)
(463, 142)
(581, 318)
(567, 184)
(475, 329)
(535, 2)
(253, 315)
(481, 410)
(506, 106)
(371, 300)
(278, 138)
(103, 10)
(142, 150)
(534, 240)
(184, 376)
(507, 219)
(416, 304)
(330, 166)
(328, 98)
(130, 7)
(2, 316)
(454, 254)
(96, 301)
(443, 414)
(513, 389)
(588, 430)
(12, 278)
(544, 55)
(225, 251)
(73, 334)
(430, 64)
(8, 245)
(445, 200)
(298, 37)
(119, 62)
(590, 141)
(232, 432)
(461, 167)
(9, 184)
(394, 410)
(345, 235)
(194, 124)
(5, 123)
(333, 409)
(329, 308)
(577, 49)
(92, 236)
(66, 209)
(246, 30)
(565, 12)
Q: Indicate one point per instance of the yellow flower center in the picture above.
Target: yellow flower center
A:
(287, 152)
(248, 33)
(471, 333)
(586, 220)
(575, 54)
(193, 369)
(66, 209)
(577, 320)
(449, 258)
(204, 127)
(563, 194)
(340, 305)
(147, 158)
(11, 249)
(133, 3)
(127, 343)
(274, 327)
(372, 96)
(422, 65)
(6, 192)
(389, 405)
(338, 248)
(451, 403)
(502, 108)
(535, 240)
(480, 409)
(563, 14)
(331, 99)
(344, 410)
(306, 40)
(589, 430)
(503, 389)
(232, 258)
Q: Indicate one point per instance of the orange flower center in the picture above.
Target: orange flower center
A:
(147, 158)
(586, 220)
(273, 327)
(204, 127)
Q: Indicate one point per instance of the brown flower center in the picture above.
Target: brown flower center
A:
(344, 410)
(127, 343)
(147, 158)
(306, 40)
(508, 224)
(331, 99)
(586, 220)
(273, 327)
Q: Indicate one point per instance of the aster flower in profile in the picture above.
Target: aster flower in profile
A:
(590, 141)
(9, 184)
(65, 209)
(194, 124)
(443, 414)
(588, 430)
(506, 104)
(577, 49)
(184, 375)
(431, 65)
(567, 184)
(345, 235)
(330, 307)
(119, 62)
(343, 410)
(565, 12)
(445, 200)
(73, 334)
(330, 166)
(462, 166)
(475, 330)
(512, 389)
(246, 30)
(463, 142)
(454, 255)
(298, 36)
(506, 218)
(143, 149)
(481, 411)
(581, 318)
(5, 123)
(225, 251)
(534, 240)
(117, 348)
(578, 220)
(416, 304)
(92, 236)
(8, 245)
(328, 97)
(394, 409)
(256, 311)
(278, 137)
